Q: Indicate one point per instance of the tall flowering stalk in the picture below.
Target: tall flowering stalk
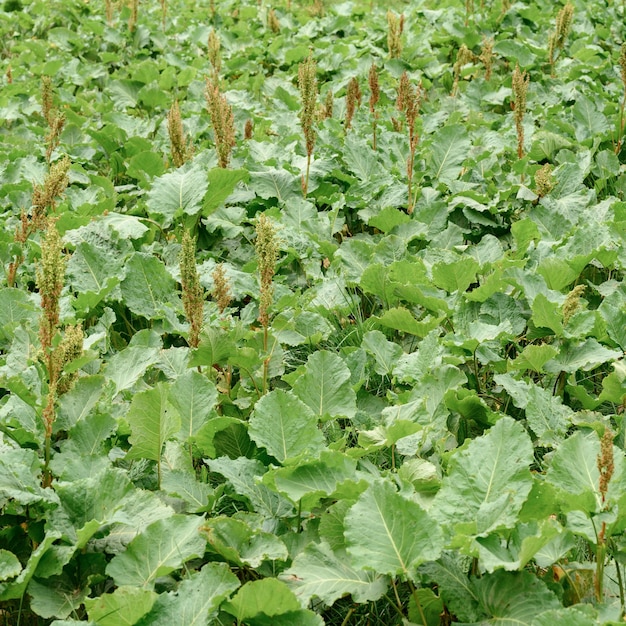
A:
(486, 56)
(215, 54)
(372, 79)
(606, 467)
(520, 89)
(193, 293)
(266, 247)
(43, 201)
(561, 31)
(54, 118)
(395, 27)
(409, 100)
(622, 118)
(179, 146)
(307, 82)
(222, 120)
(50, 277)
(353, 100)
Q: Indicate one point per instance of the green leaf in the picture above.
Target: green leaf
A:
(488, 481)
(194, 396)
(454, 586)
(385, 352)
(198, 495)
(285, 426)
(123, 607)
(390, 534)
(269, 596)
(513, 598)
(20, 477)
(574, 470)
(275, 183)
(147, 287)
(310, 481)
(534, 357)
(160, 549)
(152, 422)
(403, 320)
(547, 314)
(449, 148)
(58, 596)
(235, 541)
(325, 386)
(243, 474)
(222, 183)
(10, 565)
(16, 588)
(195, 601)
(126, 367)
(177, 193)
(585, 356)
(456, 276)
(318, 572)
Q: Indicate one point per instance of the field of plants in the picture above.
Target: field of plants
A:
(312, 313)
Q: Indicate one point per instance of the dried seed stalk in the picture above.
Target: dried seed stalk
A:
(221, 288)
(180, 149)
(329, 104)
(486, 56)
(606, 467)
(622, 117)
(520, 89)
(395, 26)
(54, 118)
(409, 100)
(272, 21)
(215, 55)
(572, 302)
(307, 82)
(222, 120)
(561, 31)
(193, 293)
(353, 100)
(372, 79)
(544, 180)
(463, 57)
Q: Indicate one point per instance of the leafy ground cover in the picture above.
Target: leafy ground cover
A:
(312, 313)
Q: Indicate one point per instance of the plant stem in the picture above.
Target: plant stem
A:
(418, 603)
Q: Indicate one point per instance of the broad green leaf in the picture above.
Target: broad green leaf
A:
(152, 421)
(318, 572)
(161, 548)
(123, 607)
(547, 416)
(78, 403)
(147, 287)
(285, 426)
(222, 183)
(585, 356)
(20, 477)
(386, 353)
(17, 587)
(216, 346)
(92, 272)
(235, 541)
(430, 606)
(10, 565)
(126, 367)
(198, 495)
(613, 310)
(15, 307)
(325, 386)
(177, 193)
(268, 596)
(57, 596)
(314, 479)
(456, 276)
(454, 586)
(516, 551)
(403, 320)
(534, 357)
(194, 396)
(589, 121)
(195, 601)
(578, 615)
(547, 314)
(449, 148)
(244, 476)
(275, 183)
(513, 598)
(488, 481)
(557, 273)
(574, 470)
(390, 534)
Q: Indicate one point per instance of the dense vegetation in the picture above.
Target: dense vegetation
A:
(312, 313)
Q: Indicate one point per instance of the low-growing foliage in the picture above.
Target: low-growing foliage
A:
(269, 355)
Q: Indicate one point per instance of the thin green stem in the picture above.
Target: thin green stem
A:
(418, 604)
